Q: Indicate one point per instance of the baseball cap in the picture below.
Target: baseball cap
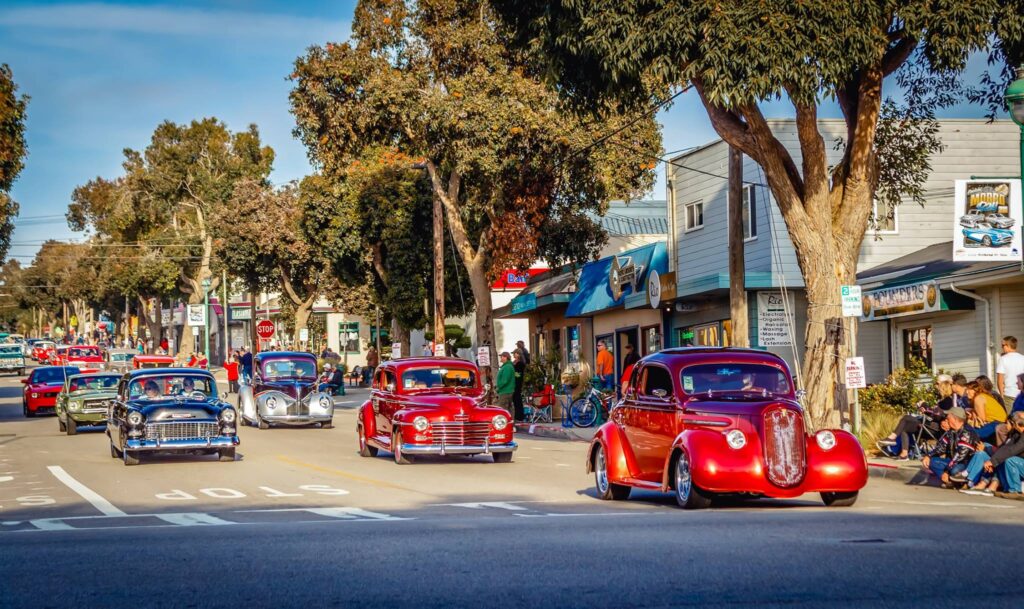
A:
(957, 412)
(506, 354)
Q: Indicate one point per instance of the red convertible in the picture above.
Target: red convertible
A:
(88, 358)
(41, 388)
(432, 406)
(704, 422)
(43, 350)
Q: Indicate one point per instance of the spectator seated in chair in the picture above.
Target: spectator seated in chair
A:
(332, 380)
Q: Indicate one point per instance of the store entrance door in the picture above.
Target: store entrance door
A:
(623, 337)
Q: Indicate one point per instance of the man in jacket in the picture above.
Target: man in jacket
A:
(954, 449)
(505, 385)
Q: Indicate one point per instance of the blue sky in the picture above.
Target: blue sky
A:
(102, 75)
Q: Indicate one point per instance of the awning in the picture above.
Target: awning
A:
(606, 283)
(543, 290)
(932, 262)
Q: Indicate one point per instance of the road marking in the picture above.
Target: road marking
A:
(949, 504)
(6, 478)
(51, 524)
(343, 474)
(97, 501)
(342, 513)
(500, 505)
(190, 519)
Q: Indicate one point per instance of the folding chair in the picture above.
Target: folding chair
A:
(928, 433)
(539, 408)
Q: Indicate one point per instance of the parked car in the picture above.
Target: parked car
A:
(89, 358)
(41, 388)
(120, 359)
(432, 406)
(84, 399)
(999, 220)
(284, 392)
(142, 361)
(706, 422)
(42, 350)
(988, 236)
(12, 358)
(170, 410)
(972, 218)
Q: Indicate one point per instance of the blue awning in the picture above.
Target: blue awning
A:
(606, 283)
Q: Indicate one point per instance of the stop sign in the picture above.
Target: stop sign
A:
(265, 329)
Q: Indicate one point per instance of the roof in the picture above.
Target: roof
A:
(688, 355)
(284, 354)
(176, 371)
(928, 263)
(546, 289)
(624, 225)
(426, 359)
(594, 287)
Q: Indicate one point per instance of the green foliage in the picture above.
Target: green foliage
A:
(542, 369)
(876, 425)
(455, 338)
(13, 151)
(901, 391)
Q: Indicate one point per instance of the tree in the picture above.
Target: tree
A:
(738, 55)
(515, 172)
(12, 151)
(260, 238)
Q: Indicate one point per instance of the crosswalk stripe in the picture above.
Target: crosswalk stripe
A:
(189, 519)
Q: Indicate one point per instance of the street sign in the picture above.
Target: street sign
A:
(851, 299)
(855, 377)
(265, 329)
(483, 356)
(196, 315)
(195, 330)
(303, 335)
(396, 350)
(654, 289)
(439, 350)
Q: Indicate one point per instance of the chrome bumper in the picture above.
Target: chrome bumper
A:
(218, 442)
(457, 449)
(297, 419)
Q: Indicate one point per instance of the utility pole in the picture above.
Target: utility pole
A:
(438, 272)
(737, 276)
(225, 309)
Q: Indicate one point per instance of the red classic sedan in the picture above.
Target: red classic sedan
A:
(89, 358)
(41, 388)
(432, 406)
(42, 350)
(703, 422)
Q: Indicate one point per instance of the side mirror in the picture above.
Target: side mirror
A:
(224, 396)
(800, 394)
(660, 393)
(390, 387)
(24, 381)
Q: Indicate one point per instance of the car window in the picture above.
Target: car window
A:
(749, 378)
(388, 379)
(11, 349)
(434, 377)
(170, 385)
(52, 376)
(93, 383)
(289, 368)
(656, 379)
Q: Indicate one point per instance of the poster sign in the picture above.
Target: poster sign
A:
(165, 317)
(483, 356)
(303, 335)
(654, 288)
(772, 323)
(855, 377)
(901, 300)
(851, 299)
(241, 313)
(439, 350)
(196, 315)
(396, 350)
(195, 330)
(987, 219)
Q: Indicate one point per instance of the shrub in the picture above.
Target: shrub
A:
(901, 391)
(876, 425)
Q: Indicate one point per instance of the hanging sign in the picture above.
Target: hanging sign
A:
(855, 377)
(303, 335)
(483, 356)
(987, 220)
(851, 299)
(396, 350)
(654, 288)
(196, 315)
(439, 350)
(772, 322)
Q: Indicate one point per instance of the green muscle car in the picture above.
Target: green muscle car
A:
(12, 358)
(83, 400)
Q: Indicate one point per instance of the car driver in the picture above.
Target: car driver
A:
(151, 389)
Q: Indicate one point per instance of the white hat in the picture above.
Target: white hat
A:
(327, 366)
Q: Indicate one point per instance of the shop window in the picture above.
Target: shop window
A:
(684, 337)
(884, 219)
(651, 341)
(694, 216)
(348, 336)
(656, 378)
(917, 343)
(749, 213)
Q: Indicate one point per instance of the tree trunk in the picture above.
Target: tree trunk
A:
(740, 336)
(400, 335)
(302, 313)
(484, 315)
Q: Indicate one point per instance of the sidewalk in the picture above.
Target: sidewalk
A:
(908, 472)
(556, 431)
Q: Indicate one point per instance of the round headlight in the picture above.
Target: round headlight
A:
(325, 402)
(227, 415)
(736, 439)
(420, 423)
(272, 402)
(74, 405)
(500, 422)
(826, 439)
(135, 418)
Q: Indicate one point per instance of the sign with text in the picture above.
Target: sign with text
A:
(987, 220)
(773, 324)
(511, 279)
(265, 329)
(396, 350)
(855, 376)
(439, 350)
(901, 300)
(196, 315)
(654, 289)
(304, 335)
(483, 356)
(851, 299)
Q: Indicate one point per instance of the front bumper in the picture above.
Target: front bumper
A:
(190, 444)
(9, 366)
(457, 449)
(296, 419)
(88, 418)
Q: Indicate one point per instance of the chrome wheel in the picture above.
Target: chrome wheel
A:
(684, 483)
(601, 471)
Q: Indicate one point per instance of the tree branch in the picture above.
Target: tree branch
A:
(897, 55)
(727, 123)
(286, 283)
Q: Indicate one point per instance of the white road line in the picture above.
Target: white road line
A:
(949, 504)
(501, 505)
(342, 513)
(189, 519)
(97, 500)
(51, 524)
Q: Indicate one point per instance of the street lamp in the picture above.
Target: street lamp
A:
(1015, 106)
(206, 319)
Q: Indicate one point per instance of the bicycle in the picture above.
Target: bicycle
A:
(588, 409)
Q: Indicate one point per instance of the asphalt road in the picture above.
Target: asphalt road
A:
(301, 520)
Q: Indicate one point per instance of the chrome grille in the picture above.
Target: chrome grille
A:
(784, 447)
(99, 404)
(460, 433)
(182, 430)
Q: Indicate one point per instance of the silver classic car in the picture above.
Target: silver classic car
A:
(284, 391)
(120, 359)
(170, 410)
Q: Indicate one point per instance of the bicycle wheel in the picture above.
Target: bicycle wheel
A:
(583, 412)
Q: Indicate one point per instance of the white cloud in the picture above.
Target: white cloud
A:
(172, 21)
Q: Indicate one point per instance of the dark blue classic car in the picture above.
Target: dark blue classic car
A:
(170, 410)
(284, 391)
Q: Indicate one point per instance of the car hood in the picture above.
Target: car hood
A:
(447, 403)
(170, 410)
(90, 395)
(294, 388)
(731, 407)
(12, 355)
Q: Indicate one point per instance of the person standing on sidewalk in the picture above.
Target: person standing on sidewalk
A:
(524, 354)
(231, 367)
(605, 366)
(517, 396)
(372, 361)
(1011, 364)
(505, 385)
(246, 363)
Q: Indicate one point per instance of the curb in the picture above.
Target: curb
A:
(904, 474)
(544, 431)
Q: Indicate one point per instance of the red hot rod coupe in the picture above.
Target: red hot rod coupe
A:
(432, 406)
(703, 422)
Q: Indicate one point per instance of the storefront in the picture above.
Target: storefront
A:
(949, 315)
(542, 303)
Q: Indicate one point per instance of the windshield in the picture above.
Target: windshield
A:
(430, 378)
(93, 383)
(121, 357)
(44, 345)
(52, 376)
(289, 368)
(83, 352)
(718, 378)
(10, 349)
(170, 385)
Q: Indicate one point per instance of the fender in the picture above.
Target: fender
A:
(246, 402)
(367, 419)
(619, 455)
(693, 441)
(842, 469)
